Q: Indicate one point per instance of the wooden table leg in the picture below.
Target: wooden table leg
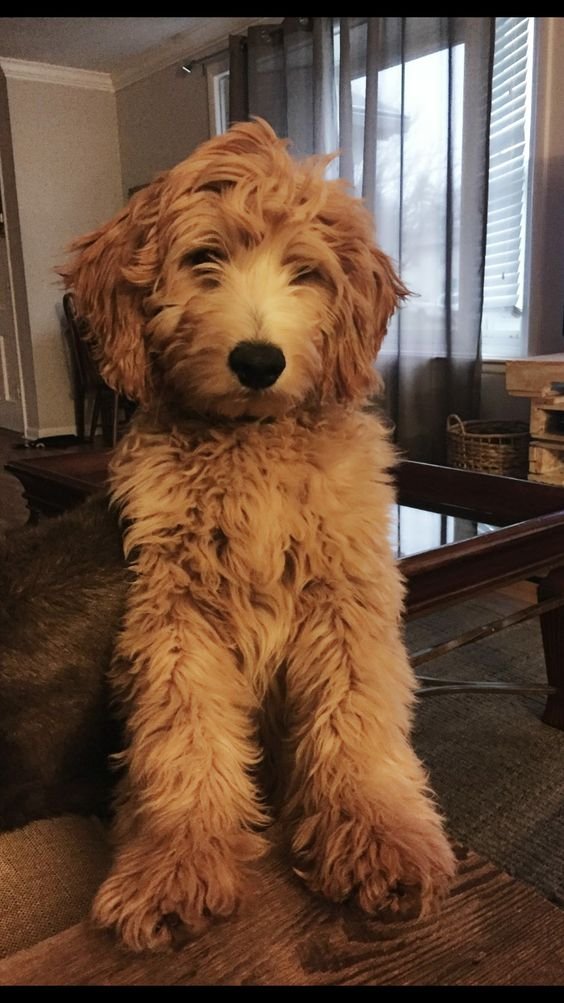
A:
(552, 627)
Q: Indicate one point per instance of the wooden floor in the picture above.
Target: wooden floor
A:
(492, 931)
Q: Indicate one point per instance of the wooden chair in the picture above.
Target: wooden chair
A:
(88, 383)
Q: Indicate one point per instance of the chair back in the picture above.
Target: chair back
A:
(86, 368)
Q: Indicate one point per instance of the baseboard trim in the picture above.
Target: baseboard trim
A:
(33, 433)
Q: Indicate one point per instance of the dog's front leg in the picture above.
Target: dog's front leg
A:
(364, 824)
(188, 807)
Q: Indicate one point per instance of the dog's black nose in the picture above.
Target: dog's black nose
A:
(257, 364)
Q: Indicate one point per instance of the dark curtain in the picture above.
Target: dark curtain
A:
(407, 102)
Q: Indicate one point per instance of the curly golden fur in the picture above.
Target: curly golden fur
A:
(255, 494)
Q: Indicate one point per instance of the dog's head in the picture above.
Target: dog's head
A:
(238, 283)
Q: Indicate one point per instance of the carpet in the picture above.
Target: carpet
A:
(497, 770)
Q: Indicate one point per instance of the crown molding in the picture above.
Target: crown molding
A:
(198, 43)
(45, 73)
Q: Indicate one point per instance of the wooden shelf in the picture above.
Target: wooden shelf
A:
(541, 378)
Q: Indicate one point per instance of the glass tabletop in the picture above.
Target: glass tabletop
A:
(415, 530)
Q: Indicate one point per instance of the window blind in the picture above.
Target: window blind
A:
(505, 246)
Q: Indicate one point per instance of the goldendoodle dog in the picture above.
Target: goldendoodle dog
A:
(241, 300)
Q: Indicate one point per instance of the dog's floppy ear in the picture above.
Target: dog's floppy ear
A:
(111, 273)
(387, 292)
(369, 295)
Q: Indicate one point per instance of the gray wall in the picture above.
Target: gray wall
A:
(161, 120)
(68, 181)
(546, 302)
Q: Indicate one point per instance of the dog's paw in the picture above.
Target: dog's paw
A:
(155, 901)
(398, 871)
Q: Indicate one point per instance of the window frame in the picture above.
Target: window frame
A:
(218, 115)
(526, 199)
(545, 271)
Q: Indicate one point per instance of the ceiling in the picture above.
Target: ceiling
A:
(120, 46)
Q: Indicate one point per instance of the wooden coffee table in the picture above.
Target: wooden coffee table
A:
(55, 483)
(504, 530)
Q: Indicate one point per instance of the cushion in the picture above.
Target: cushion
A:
(49, 872)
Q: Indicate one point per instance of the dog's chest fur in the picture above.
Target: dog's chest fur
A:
(237, 520)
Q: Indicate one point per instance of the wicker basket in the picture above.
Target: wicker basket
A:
(493, 447)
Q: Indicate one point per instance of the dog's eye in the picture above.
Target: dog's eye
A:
(203, 256)
(306, 275)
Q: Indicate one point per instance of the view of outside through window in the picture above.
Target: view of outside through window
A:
(411, 185)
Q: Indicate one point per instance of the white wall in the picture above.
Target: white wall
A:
(68, 180)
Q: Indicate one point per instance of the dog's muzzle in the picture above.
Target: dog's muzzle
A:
(257, 364)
